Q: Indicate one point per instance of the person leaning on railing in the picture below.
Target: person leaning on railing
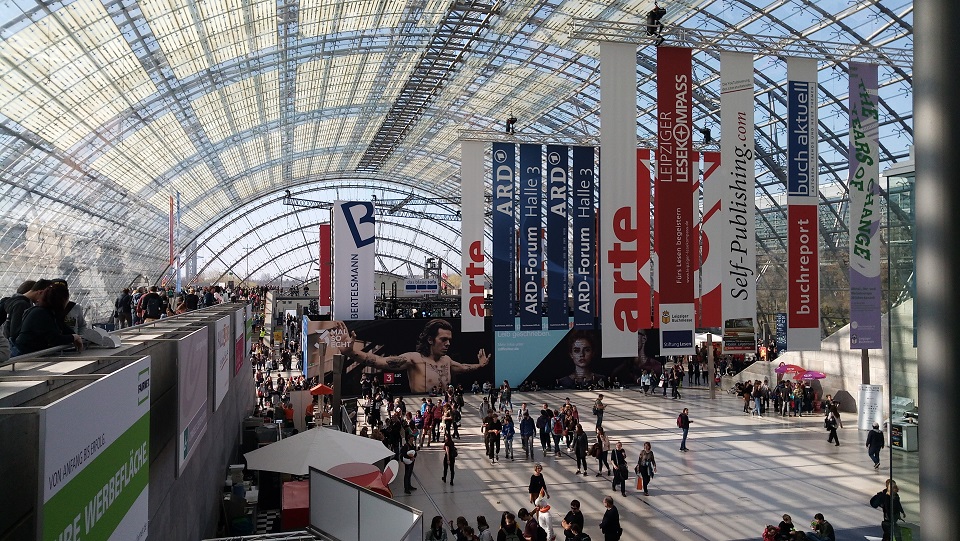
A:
(41, 329)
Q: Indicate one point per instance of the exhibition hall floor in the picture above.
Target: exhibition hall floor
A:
(740, 474)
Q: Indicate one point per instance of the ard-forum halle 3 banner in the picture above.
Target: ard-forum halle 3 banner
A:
(674, 212)
(865, 287)
(354, 250)
(619, 318)
(803, 254)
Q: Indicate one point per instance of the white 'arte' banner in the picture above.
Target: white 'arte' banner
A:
(473, 279)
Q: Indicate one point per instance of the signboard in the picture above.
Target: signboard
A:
(531, 236)
(869, 406)
(504, 235)
(192, 352)
(95, 460)
(354, 245)
(584, 238)
(240, 339)
(421, 286)
(472, 208)
(221, 360)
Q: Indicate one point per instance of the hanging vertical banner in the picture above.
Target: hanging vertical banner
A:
(354, 249)
(171, 230)
(803, 248)
(504, 236)
(711, 253)
(697, 217)
(780, 322)
(644, 263)
(531, 247)
(584, 238)
(619, 318)
(674, 213)
(558, 225)
(326, 268)
(739, 244)
(473, 276)
(865, 287)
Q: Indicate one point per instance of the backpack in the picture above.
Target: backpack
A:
(514, 536)
(152, 306)
(557, 426)
(680, 421)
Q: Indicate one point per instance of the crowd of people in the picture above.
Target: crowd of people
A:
(37, 316)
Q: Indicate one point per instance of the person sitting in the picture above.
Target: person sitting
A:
(822, 530)
(770, 533)
(786, 531)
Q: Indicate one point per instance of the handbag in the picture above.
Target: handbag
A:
(639, 483)
(595, 450)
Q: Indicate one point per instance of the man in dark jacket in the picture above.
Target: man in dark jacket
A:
(874, 444)
(610, 525)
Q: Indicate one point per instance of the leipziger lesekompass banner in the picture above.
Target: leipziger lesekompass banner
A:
(95, 461)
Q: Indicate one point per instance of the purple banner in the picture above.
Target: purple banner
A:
(865, 286)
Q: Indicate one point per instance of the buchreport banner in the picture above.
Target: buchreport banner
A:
(619, 319)
(354, 250)
(473, 276)
(504, 236)
(737, 156)
(711, 251)
(531, 245)
(803, 296)
(558, 226)
(674, 213)
(865, 287)
(584, 239)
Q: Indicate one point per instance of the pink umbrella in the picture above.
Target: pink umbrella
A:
(810, 374)
(790, 368)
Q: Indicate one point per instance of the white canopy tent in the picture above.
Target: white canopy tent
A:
(321, 448)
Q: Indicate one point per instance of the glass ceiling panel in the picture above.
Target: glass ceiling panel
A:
(239, 107)
(137, 160)
(252, 153)
(325, 17)
(69, 73)
(195, 35)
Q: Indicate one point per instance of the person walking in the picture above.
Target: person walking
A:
(683, 422)
(610, 525)
(874, 444)
(889, 501)
(598, 408)
(508, 432)
(545, 426)
(604, 444)
(542, 512)
(580, 444)
(831, 424)
(619, 458)
(646, 467)
(449, 458)
(537, 484)
(527, 430)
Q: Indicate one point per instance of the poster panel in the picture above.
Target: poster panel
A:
(192, 412)
(739, 336)
(644, 261)
(674, 213)
(619, 318)
(417, 354)
(221, 360)
(711, 253)
(803, 248)
(558, 228)
(739, 245)
(780, 321)
(239, 338)
(248, 331)
(413, 287)
(869, 406)
(531, 235)
(504, 173)
(584, 238)
(354, 247)
(864, 189)
(95, 461)
(472, 208)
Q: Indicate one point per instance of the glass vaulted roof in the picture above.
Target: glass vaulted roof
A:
(109, 107)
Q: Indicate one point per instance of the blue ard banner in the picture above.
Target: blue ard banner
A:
(531, 247)
(504, 235)
(584, 235)
(558, 166)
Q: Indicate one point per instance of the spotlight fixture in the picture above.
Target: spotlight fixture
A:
(511, 120)
(706, 135)
(654, 26)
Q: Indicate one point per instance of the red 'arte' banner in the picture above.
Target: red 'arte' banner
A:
(674, 213)
(644, 288)
(710, 239)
